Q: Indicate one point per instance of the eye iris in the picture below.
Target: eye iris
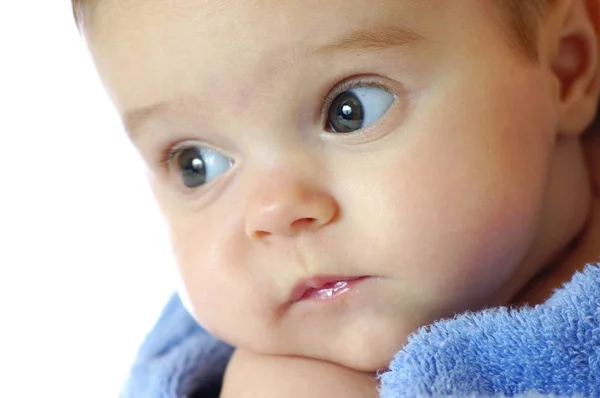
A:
(193, 168)
(346, 113)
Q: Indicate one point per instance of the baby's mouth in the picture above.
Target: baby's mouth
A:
(324, 288)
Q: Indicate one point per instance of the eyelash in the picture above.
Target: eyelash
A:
(167, 154)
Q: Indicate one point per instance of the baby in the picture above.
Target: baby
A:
(336, 174)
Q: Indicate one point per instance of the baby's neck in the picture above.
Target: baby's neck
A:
(583, 250)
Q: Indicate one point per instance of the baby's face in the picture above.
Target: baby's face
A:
(297, 145)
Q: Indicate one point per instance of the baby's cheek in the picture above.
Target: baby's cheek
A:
(457, 239)
(198, 262)
(216, 276)
(470, 266)
(492, 246)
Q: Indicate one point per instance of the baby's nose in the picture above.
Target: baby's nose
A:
(288, 206)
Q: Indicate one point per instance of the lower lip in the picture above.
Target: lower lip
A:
(332, 290)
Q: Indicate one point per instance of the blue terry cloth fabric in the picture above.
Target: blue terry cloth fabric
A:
(178, 359)
(552, 350)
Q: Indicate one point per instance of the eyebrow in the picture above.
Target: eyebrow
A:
(377, 38)
(369, 39)
(134, 119)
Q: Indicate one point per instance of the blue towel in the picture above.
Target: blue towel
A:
(550, 350)
(178, 359)
(553, 348)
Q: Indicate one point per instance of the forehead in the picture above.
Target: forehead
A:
(173, 46)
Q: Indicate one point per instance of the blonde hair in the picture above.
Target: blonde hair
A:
(521, 19)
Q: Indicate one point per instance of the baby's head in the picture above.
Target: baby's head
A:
(430, 148)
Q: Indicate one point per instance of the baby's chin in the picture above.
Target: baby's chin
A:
(367, 346)
(369, 360)
(369, 355)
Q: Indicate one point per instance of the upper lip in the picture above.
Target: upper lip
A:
(317, 282)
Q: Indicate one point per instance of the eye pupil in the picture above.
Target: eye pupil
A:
(346, 113)
(193, 168)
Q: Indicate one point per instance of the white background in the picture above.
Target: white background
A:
(85, 265)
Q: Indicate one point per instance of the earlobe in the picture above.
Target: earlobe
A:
(576, 68)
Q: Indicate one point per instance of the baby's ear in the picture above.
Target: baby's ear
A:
(573, 58)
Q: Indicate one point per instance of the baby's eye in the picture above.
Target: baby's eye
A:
(358, 108)
(197, 165)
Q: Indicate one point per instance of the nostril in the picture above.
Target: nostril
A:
(285, 229)
(261, 234)
(303, 223)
